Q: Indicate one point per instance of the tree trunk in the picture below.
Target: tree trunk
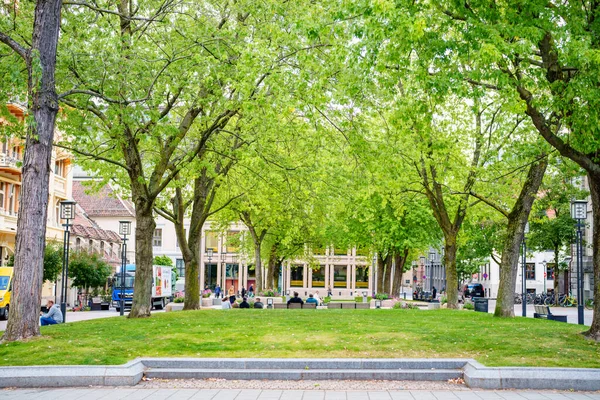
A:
(142, 290)
(555, 271)
(399, 260)
(380, 274)
(387, 281)
(517, 218)
(23, 320)
(272, 266)
(594, 182)
(451, 273)
(258, 267)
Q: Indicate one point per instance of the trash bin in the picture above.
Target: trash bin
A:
(480, 304)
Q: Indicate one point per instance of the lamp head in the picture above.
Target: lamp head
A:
(67, 209)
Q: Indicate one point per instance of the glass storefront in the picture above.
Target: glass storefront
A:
(318, 277)
(340, 275)
(362, 277)
(297, 276)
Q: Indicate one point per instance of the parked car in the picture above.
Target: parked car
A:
(474, 290)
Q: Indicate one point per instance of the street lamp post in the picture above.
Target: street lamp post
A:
(124, 230)
(374, 275)
(544, 263)
(431, 267)
(524, 266)
(579, 212)
(67, 212)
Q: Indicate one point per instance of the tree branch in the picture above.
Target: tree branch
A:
(21, 50)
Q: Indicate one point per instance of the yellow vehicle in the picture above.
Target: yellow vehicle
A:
(6, 274)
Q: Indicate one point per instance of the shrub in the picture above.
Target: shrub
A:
(405, 305)
(469, 306)
(382, 296)
(326, 299)
(359, 299)
(268, 293)
(178, 300)
(443, 299)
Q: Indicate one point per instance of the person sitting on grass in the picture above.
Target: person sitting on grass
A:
(258, 303)
(244, 303)
(311, 299)
(295, 299)
(226, 304)
(53, 316)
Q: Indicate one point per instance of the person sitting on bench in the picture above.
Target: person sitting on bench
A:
(311, 299)
(295, 299)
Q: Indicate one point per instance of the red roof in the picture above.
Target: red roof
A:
(105, 203)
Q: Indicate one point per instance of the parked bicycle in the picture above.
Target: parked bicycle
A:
(589, 304)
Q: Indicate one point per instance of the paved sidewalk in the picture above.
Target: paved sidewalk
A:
(248, 394)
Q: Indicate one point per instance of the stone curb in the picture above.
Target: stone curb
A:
(475, 374)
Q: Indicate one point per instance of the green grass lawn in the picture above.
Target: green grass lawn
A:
(311, 333)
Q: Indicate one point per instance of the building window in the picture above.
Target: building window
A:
(180, 266)
(362, 277)
(78, 244)
(57, 212)
(231, 271)
(2, 185)
(59, 168)
(11, 198)
(157, 238)
(91, 244)
(550, 271)
(102, 248)
(318, 250)
(340, 273)
(111, 254)
(530, 271)
(362, 251)
(340, 251)
(318, 277)
(297, 276)
(232, 242)
(211, 241)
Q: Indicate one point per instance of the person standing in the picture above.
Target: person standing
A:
(217, 291)
(53, 316)
(434, 293)
(251, 291)
(329, 291)
(243, 292)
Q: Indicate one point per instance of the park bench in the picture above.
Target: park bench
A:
(294, 305)
(279, 306)
(334, 305)
(309, 306)
(364, 306)
(544, 312)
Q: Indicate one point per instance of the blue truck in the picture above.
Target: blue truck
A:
(162, 287)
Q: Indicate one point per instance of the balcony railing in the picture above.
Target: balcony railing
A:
(10, 160)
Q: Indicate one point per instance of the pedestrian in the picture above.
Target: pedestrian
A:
(251, 291)
(243, 292)
(53, 316)
(231, 291)
(258, 303)
(434, 293)
(329, 291)
(295, 299)
(217, 291)
(244, 303)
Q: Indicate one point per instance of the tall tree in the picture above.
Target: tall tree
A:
(173, 75)
(39, 60)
